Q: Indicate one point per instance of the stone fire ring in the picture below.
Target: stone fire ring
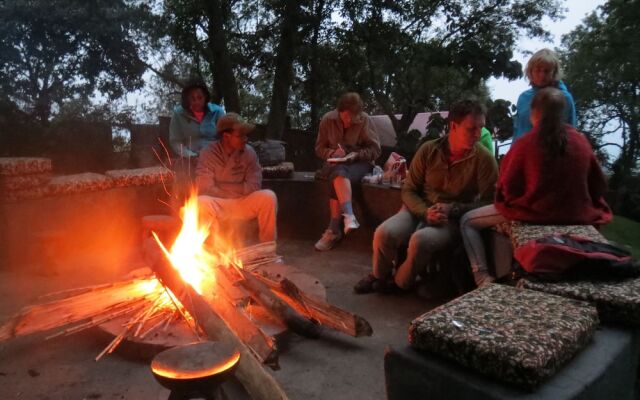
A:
(178, 333)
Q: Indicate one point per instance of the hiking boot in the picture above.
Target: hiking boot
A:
(350, 223)
(371, 284)
(328, 240)
(368, 284)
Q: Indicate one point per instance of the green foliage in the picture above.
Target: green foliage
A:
(500, 114)
(602, 62)
(52, 52)
(624, 232)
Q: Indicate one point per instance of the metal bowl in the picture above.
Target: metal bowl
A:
(196, 366)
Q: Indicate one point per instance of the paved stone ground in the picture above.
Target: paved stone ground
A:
(335, 366)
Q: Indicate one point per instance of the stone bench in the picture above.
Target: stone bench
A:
(99, 215)
(303, 207)
(606, 369)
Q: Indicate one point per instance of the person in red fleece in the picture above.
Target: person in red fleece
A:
(549, 177)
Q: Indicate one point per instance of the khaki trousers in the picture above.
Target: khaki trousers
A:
(422, 242)
(261, 204)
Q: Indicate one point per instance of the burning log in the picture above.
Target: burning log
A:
(97, 304)
(256, 380)
(262, 345)
(280, 309)
(324, 313)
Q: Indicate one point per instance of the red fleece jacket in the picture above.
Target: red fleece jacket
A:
(567, 190)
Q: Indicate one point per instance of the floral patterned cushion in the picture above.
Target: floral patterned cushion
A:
(282, 170)
(20, 182)
(140, 176)
(616, 301)
(78, 183)
(11, 166)
(522, 232)
(516, 335)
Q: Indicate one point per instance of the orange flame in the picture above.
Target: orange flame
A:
(197, 250)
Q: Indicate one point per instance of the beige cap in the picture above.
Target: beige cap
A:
(233, 121)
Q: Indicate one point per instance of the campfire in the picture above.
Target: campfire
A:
(202, 281)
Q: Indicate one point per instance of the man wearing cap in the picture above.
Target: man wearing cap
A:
(229, 179)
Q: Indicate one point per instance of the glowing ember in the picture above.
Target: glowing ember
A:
(191, 256)
(172, 373)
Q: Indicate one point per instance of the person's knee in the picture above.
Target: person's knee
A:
(417, 242)
(204, 202)
(381, 235)
(464, 221)
(267, 198)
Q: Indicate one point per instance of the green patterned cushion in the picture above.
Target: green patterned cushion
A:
(79, 183)
(21, 182)
(516, 335)
(280, 171)
(522, 232)
(12, 166)
(616, 301)
(140, 176)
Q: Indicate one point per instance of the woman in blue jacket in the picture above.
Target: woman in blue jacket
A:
(543, 70)
(193, 123)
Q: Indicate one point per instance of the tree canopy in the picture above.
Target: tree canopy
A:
(53, 52)
(277, 58)
(602, 62)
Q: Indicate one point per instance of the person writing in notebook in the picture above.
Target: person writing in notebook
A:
(348, 143)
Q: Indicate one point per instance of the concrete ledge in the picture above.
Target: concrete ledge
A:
(303, 207)
(606, 369)
(97, 227)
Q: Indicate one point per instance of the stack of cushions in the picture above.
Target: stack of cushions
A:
(617, 300)
(140, 176)
(282, 170)
(24, 177)
(515, 335)
(522, 232)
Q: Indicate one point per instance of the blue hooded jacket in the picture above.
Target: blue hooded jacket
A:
(522, 123)
(188, 136)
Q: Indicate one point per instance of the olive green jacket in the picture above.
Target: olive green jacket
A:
(468, 182)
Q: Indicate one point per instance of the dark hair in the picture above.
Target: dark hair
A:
(350, 101)
(192, 85)
(552, 133)
(461, 109)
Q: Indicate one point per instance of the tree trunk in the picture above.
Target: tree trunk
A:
(313, 66)
(224, 79)
(284, 69)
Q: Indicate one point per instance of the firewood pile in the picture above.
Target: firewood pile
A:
(148, 304)
(205, 283)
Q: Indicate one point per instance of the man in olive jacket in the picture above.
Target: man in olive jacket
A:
(447, 177)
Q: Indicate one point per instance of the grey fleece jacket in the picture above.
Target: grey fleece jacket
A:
(228, 176)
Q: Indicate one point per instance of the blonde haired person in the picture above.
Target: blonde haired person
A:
(543, 70)
(549, 177)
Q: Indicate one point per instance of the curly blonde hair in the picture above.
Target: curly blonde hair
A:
(547, 57)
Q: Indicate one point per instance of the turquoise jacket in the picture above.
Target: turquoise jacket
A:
(522, 123)
(188, 136)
